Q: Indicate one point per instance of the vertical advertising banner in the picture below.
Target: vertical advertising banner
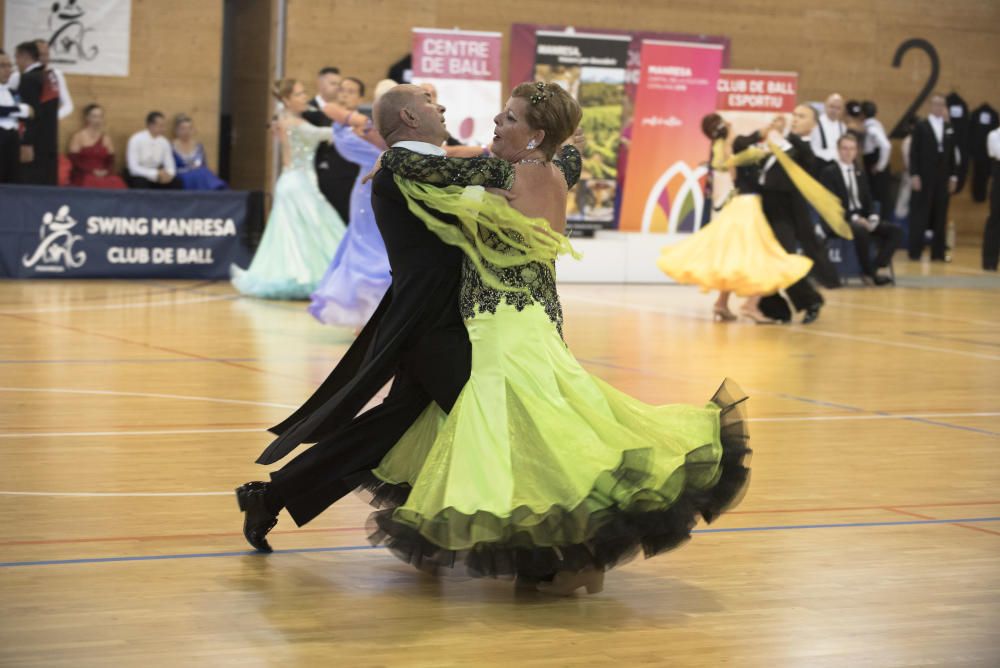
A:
(84, 37)
(750, 100)
(591, 67)
(666, 164)
(464, 67)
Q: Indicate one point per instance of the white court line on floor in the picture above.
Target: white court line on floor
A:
(261, 430)
(149, 395)
(158, 432)
(111, 307)
(807, 330)
(919, 314)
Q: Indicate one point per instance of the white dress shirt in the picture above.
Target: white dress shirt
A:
(65, 99)
(876, 139)
(420, 147)
(7, 100)
(993, 144)
(937, 125)
(851, 182)
(148, 154)
(829, 130)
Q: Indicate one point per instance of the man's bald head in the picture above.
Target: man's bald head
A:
(804, 119)
(407, 112)
(834, 107)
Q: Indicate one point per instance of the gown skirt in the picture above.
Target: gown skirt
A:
(736, 252)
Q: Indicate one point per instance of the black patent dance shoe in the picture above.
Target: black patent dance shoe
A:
(257, 519)
(812, 314)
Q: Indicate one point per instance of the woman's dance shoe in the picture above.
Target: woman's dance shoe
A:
(566, 584)
(755, 315)
(723, 314)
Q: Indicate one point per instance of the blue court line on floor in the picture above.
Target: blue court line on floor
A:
(355, 548)
(976, 430)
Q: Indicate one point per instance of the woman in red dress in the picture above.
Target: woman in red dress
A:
(92, 153)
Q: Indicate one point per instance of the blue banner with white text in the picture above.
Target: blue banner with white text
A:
(85, 233)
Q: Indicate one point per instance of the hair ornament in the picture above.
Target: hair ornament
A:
(542, 94)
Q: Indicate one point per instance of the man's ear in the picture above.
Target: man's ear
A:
(409, 118)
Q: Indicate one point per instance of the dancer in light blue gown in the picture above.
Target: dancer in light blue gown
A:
(359, 274)
(303, 230)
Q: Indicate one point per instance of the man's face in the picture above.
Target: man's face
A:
(430, 114)
(328, 87)
(938, 107)
(350, 94)
(432, 90)
(848, 151)
(157, 127)
(803, 120)
(6, 68)
(23, 60)
(43, 52)
(834, 107)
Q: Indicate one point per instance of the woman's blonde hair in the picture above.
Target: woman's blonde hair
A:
(180, 119)
(552, 109)
(283, 88)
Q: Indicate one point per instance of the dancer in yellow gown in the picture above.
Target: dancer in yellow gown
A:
(737, 251)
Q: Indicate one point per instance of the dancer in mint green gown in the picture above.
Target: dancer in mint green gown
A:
(303, 230)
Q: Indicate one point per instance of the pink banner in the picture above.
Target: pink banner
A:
(464, 68)
(668, 154)
(741, 90)
(453, 54)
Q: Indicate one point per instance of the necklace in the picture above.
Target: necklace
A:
(532, 161)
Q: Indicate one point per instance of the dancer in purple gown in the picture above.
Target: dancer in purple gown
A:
(358, 277)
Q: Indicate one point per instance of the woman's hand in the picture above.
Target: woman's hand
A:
(375, 170)
(499, 192)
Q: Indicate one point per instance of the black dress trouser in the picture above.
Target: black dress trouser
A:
(991, 235)
(780, 210)
(929, 210)
(887, 238)
(434, 370)
(10, 156)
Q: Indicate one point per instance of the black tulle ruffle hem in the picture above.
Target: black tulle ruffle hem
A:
(612, 536)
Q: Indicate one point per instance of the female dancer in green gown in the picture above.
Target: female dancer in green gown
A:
(540, 470)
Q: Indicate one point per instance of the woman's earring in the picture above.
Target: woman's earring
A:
(531, 144)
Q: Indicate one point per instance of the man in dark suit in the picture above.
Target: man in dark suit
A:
(934, 177)
(850, 184)
(39, 89)
(11, 111)
(416, 337)
(788, 214)
(335, 174)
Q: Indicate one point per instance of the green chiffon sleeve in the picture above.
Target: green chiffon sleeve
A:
(476, 220)
(437, 170)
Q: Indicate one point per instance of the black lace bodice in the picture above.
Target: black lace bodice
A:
(537, 280)
(531, 283)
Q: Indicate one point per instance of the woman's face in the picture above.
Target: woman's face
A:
(298, 101)
(95, 119)
(350, 94)
(512, 133)
(184, 131)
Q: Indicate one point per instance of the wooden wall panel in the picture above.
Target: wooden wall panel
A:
(846, 46)
(174, 67)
